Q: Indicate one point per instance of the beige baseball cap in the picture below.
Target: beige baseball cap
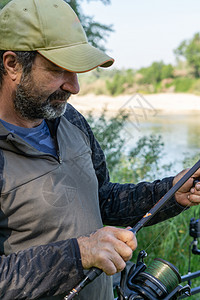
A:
(53, 29)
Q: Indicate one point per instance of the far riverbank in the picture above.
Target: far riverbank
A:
(166, 103)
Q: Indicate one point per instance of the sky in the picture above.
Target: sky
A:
(145, 30)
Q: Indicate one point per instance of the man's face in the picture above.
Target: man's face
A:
(43, 93)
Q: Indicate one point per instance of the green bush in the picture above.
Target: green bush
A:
(108, 133)
(116, 85)
(156, 72)
(167, 71)
(189, 49)
(196, 87)
(183, 84)
(142, 163)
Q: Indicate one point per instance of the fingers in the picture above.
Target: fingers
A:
(123, 243)
(194, 196)
(112, 264)
(108, 249)
(127, 237)
(123, 250)
(188, 195)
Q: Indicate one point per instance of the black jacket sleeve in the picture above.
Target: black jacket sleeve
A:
(41, 271)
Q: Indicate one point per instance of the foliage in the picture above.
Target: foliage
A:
(156, 72)
(183, 84)
(117, 84)
(190, 50)
(190, 160)
(149, 150)
(107, 132)
(196, 87)
(143, 162)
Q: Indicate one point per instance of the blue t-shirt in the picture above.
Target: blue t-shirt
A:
(39, 137)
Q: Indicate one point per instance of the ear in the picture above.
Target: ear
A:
(12, 67)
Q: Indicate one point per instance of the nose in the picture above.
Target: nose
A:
(71, 83)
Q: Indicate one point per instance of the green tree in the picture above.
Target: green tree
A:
(116, 85)
(190, 50)
(167, 71)
(156, 72)
(120, 81)
(129, 77)
(96, 32)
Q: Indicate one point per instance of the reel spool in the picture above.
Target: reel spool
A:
(160, 280)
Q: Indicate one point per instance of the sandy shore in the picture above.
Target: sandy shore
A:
(163, 103)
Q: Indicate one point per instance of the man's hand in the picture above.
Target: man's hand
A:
(107, 249)
(188, 195)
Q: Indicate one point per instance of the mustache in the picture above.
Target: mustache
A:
(59, 95)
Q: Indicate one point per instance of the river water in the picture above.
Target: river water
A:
(176, 117)
(180, 134)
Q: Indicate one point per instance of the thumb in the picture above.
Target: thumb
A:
(128, 228)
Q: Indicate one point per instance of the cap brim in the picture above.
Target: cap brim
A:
(78, 58)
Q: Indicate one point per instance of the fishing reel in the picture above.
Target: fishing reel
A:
(195, 228)
(195, 233)
(160, 280)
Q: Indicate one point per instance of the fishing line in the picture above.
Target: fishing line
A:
(167, 226)
(165, 272)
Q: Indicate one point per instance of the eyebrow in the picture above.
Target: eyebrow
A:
(51, 67)
(54, 66)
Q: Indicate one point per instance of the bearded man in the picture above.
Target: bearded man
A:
(54, 182)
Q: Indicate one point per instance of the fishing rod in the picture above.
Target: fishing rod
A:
(95, 272)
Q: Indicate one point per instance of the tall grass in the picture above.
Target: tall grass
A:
(170, 240)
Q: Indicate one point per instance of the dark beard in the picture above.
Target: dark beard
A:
(32, 107)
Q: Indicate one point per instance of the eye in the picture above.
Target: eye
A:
(59, 71)
(55, 70)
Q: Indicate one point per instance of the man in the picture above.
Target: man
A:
(54, 181)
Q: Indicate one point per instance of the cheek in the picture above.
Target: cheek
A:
(48, 84)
